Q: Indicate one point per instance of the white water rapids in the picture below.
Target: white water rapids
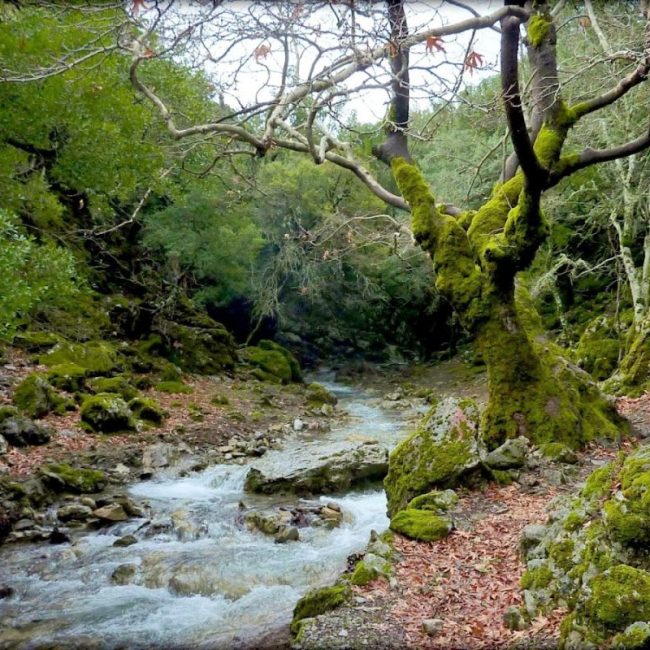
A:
(224, 587)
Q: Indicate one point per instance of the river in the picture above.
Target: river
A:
(221, 585)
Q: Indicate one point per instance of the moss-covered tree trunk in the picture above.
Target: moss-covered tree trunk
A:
(477, 255)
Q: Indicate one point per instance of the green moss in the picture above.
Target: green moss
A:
(7, 412)
(537, 578)
(174, 387)
(635, 637)
(458, 276)
(272, 363)
(201, 345)
(107, 413)
(561, 552)
(318, 602)
(67, 376)
(438, 454)
(362, 574)
(97, 357)
(598, 348)
(219, 400)
(435, 501)
(64, 477)
(574, 520)
(296, 372)
(599, 482)
(147, 409)
(170, 372)
(35, 397)
(120, 384)
(558, 452)
(318, 395)
(35, 341)
(619, 597)
(539, 28)
(423, 525)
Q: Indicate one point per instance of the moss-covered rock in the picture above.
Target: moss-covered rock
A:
(635, 637)
(147, 409)
(174, 387)
(318, 602)
(107, 413)
(206, 349)
(371, 567)
(318, 395)
(558, 452)
(633, 375)
(97, 357)
(36, 397)
(62, 477)
(67, 376)
(120, 384)
(423, 525)
(32, 341)
(442, 451)
(593, 557)
(296, 372)
(268, 365)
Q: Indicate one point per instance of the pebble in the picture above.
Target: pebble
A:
(432, 626)
(298, 424)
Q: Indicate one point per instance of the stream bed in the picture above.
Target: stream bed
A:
(208, 583)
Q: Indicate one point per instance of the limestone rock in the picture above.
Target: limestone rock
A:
(74, 512)
(314, 470)
(432, 626)
(113, 512)
(510, 455)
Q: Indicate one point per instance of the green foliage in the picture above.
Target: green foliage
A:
(214, 241)
(34, 277)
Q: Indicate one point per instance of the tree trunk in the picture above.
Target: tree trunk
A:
(533, 390)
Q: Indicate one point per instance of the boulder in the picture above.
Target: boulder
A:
(440, 453)
(126, 540)
(147, 409)
(74, 511)
(4, 445)
(120, 384)
(510, 455)
(159, 455)
(426, 517)
(35, 397)
(314, 470)
(107, 413)
(96, 357)
(61, 477)
(113, 512)
(318, 395)
(123, 574)
(272, 362)
(70, 377)
(22, 432)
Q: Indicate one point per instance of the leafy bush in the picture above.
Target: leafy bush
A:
(34, 277)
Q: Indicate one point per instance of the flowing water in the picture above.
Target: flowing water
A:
(207, 582)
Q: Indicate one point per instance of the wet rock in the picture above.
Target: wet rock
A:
(158, 456)
(121, 472)
(123, 574)
(432, 626)
(287, 534)
(59, 536)
(21, 432)
(127, 540)
(315, 471)
(185, 529)
(114, 512)
(74, 512)
(24, 524)
(319, 396)
(510, 455)
(6, 591)
(62, 477)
